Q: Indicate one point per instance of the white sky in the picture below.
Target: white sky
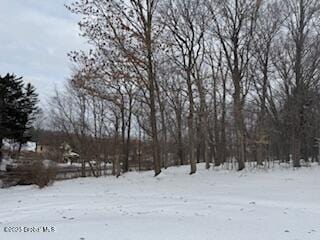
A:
(35, 37)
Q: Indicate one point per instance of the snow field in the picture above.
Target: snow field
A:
(212, 204)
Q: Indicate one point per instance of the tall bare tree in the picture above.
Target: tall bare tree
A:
(233, 25)
(129, 27)
(184, 21)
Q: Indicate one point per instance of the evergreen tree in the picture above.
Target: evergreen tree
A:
(18, 106)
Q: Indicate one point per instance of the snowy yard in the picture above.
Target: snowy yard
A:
(249, 205)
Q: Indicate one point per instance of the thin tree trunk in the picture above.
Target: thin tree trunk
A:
(217, 140)
(203, 124)
(180, 143)
(128, 147)
(239, 123)
(296, 152)
(152, 89)
(164, 151)
(116, 161)
(193, 165)
(123, 141)
(223, 140)
(1, 154)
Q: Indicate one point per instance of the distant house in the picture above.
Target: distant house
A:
(43, 148)
(48, 142)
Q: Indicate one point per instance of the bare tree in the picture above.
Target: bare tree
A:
(297, 66)
(185, 24)
(268, 26)
(129, 28)
(234, 23)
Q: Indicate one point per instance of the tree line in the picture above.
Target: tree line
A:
(205, 80)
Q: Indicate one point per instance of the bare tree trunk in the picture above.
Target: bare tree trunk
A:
(152, 88)
(217, 139)
(116, 158)
(179, 133)
(139, 149)
(123, 155)
(203, 124)
(192, 159)
(296, 147)
(128, 147)
(261, 118)
(153, 117)
(117, 163)
(164, 150)
(239, 123)
(191, 145)
(223, 140)
(1, 154)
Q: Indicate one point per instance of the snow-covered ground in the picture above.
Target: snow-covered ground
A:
(250, 205)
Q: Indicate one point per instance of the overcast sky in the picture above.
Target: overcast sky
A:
(35, 37)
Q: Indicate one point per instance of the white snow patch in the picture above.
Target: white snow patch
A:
(261, 204)
(4, 163)
(14, 146)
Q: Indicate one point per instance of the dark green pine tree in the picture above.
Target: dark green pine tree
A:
(10, 95)
(18, 105)
(27, 113)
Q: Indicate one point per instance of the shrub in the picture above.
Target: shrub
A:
(37, 173)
